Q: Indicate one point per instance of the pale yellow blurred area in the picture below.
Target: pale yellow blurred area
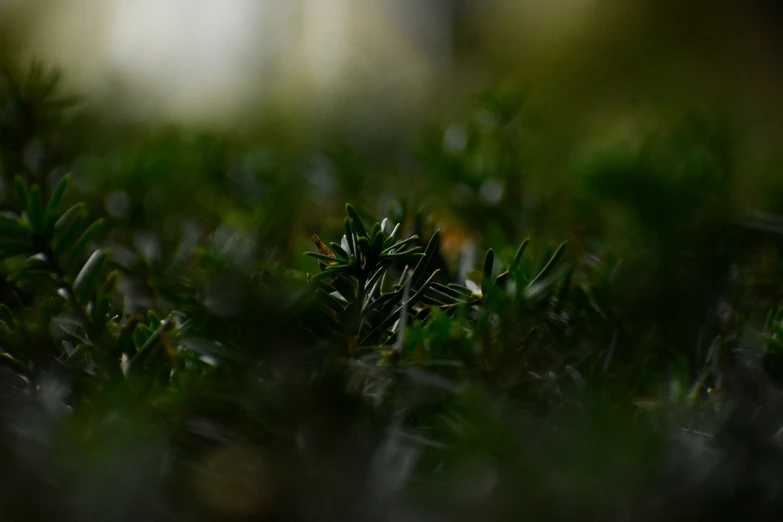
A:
(207, 59)
(601, 64)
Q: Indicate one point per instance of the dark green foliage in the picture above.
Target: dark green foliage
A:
(167, 354)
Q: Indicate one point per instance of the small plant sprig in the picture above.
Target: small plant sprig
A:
(356, 296)
(357, 300)
(45, 251)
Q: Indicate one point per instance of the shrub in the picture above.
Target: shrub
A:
(174, 360)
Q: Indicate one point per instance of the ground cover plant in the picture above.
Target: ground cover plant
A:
(192, 328)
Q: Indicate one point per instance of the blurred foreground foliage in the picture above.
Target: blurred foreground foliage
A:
(168, 353)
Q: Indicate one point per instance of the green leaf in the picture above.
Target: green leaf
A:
(345, 286)
(350, 237)
(84, 240)
(57, 193)
(386, 227)
(403, 322)
(489, 262)
(339, 251)
(461, 289)
(68, 228)
(55, 200)
(68, 215)
(365, 247)
(551, 264)
(376, 229)
(449, 293)
(111, 282)
(420, 272)
(777, 330)
(447, 290)
(326, 259)
(399, 245)
(79, 349)
(11, 228)
(385, 300)
(140, 336)
(356, 221)
(330, 302)
(85, 281)
(377, 242)
(408, 254)
(38, 260)
(6, 314)
(390, 318)
(434, 299)
(501, 279)
(154, 319)
(373, 286)
(442, 299)
(34, 209)
(6, 359)
(103, 300)
(394, 230)
(150, 342)
(518, 256)
(768, 322)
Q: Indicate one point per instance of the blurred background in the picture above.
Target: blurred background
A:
(205, 60)
(214, 137)
(599, 71)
